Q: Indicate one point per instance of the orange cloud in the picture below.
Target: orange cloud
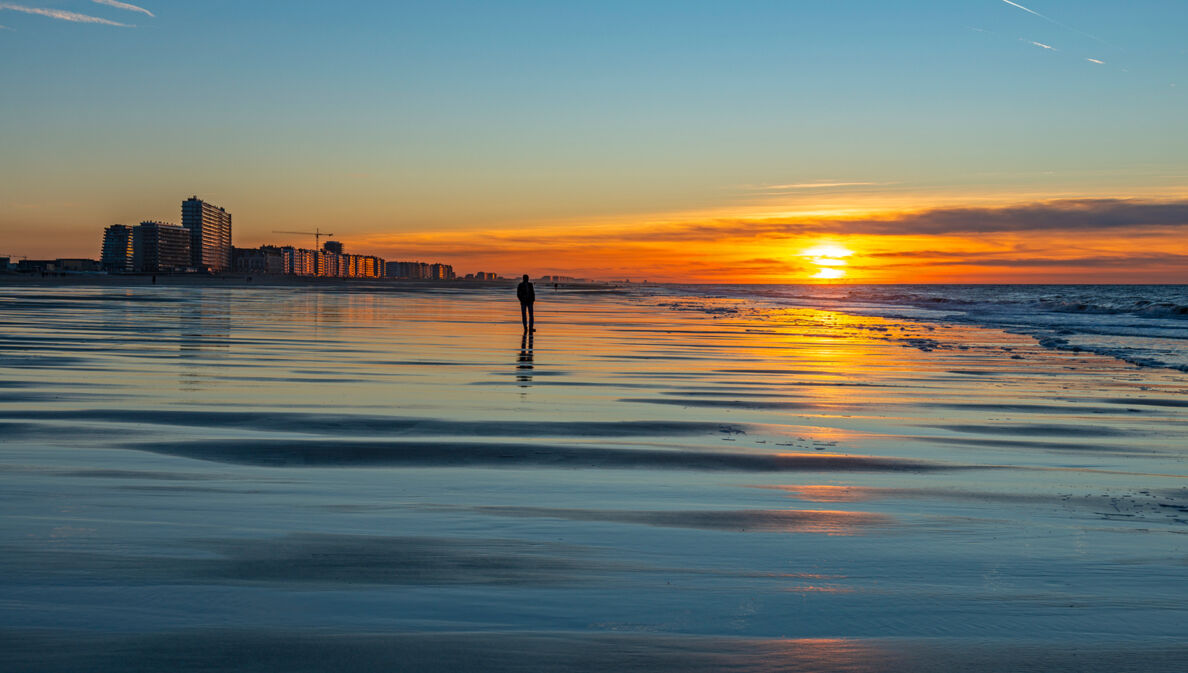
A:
(1082, 240)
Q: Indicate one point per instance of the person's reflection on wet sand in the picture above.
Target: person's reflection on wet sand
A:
(524, 363)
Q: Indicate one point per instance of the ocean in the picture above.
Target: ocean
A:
(1141, 324)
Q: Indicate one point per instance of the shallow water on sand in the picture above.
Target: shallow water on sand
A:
(284, 478)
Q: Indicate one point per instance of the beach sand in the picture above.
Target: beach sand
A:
(378, 477)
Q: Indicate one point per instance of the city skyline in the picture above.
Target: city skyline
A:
(985, 142)
(203, 243)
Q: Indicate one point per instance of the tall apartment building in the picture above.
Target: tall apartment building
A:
(117, 253)
(210, 234)
(158, 246)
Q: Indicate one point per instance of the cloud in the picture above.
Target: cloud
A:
(1093, 60)
(1061, 215)
(819, 185)
(1063, 234)
(1041, 45)
(1071, 215)
(1016, 260)
(753, 266)
(61, 14)
(123, 5)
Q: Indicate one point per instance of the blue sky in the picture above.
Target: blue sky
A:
(465, 115)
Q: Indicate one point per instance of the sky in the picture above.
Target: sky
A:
(745, 141)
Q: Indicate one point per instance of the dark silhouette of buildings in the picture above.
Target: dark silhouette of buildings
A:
(264, 259)
(210, 234)
(158, 246)
(117, 253)
(42, 266)
(419, 271)
(76, 265)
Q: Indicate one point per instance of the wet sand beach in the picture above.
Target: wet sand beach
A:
(378, 477)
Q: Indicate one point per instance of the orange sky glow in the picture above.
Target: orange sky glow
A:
(1054, 241)
(821, 238)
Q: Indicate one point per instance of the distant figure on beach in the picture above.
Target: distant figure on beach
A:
(527, 296)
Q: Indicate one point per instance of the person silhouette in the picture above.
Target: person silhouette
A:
(527, 296)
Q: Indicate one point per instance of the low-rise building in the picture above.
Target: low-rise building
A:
(77, 265)
(326, 264)
(419, 271)
(265, 259)
(36, 266)
(299, 261)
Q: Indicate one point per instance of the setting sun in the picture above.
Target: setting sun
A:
(828, 251)
(829, 274)
(829, 257)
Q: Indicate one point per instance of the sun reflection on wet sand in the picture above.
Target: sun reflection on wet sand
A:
(827, 493)
(828, 522)
(825, 654)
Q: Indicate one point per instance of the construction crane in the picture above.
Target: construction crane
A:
(316, 233)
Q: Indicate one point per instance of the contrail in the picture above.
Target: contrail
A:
(1051, 20)
(1025, 9)
(123, 5)
(60, 14)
